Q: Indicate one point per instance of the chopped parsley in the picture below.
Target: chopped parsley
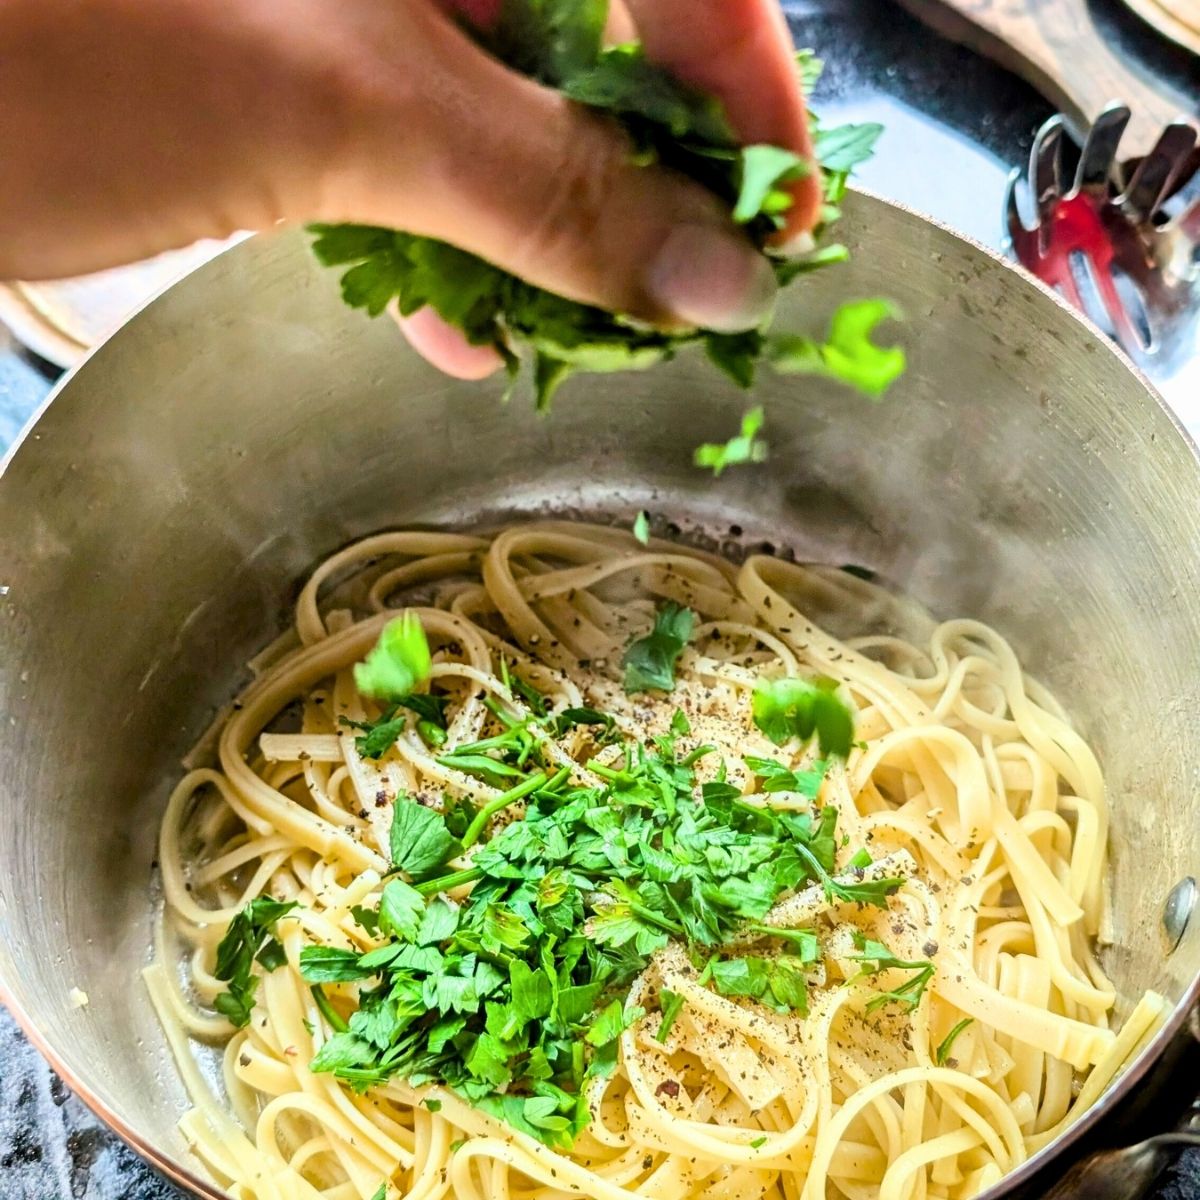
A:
(641, 527)
(649, 661)
(744, 447)
(773, 776)
(559, 44)
(250, 938)
(876, 957)
(765, 172)
(780, 983)
(942, 1054)
(516, 994)
(797, 708)
(572, 718)
(398, 663)
(670, 1005)
(380, 736)
(847, 354)
(418, 839)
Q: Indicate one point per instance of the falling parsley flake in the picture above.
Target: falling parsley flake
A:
(799, 708)
(398, 663)
(745, 447)
(641, 527)
(649, 661)
(848, 354)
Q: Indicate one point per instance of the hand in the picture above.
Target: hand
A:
(133, 126)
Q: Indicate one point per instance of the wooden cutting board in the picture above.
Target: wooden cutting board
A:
(1056, 46)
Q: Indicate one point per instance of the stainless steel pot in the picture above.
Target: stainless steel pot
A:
(155, 521)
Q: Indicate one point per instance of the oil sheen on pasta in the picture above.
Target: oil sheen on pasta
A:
(965, 772)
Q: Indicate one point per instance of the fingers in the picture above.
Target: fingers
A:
(444, 346)
(740, 51)
(439, 343)
(450, 144)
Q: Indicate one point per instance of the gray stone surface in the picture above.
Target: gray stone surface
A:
(956, 126)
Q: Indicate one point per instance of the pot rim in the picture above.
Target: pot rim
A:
(1138, 1068)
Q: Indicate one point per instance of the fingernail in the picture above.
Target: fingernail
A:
(444, 346)
(797, 244)
(711, 278)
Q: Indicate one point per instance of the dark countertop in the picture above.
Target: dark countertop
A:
(950, 116)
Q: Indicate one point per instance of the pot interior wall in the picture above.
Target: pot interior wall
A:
(156, 523)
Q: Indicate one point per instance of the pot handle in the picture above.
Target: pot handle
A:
(1125, 1174)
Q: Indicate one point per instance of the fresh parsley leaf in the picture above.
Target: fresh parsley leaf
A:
(864, 891)
(876, 957)
(250, 938)
(398, 663)
(624, 82)
(419, 840)
(746, 447)
(649, 661)
(671, 1005)
(788, 270)
(793, 707)
(765, 173)
(810, 67)
(846, 146)
(807, 948)
(343, 1052)
(569, 718)
(532, 991)
(380, 736)
(401, 910)
(942, 1054)
(438, 923)
(549, 40)
(848, 354)
(736, 354)
(779, 983)
(433, 1105)
(382, 1193)
(611, 1023)
(773, 776)
(328, 964)
(641, 527)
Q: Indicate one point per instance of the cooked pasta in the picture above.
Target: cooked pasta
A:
(931, 1073)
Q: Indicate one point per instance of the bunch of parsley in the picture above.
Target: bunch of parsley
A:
(559, 43)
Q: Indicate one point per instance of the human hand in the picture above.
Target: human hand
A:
(131, 127)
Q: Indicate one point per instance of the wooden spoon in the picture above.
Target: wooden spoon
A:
(1056, 46)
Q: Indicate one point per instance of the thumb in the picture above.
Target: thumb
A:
(455, 146)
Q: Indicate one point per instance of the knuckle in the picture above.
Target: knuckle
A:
(568, 205)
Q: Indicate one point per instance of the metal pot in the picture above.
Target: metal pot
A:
(156, 519)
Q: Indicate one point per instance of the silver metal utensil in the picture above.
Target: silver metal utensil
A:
(1116, 239)
(1128, 1173)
